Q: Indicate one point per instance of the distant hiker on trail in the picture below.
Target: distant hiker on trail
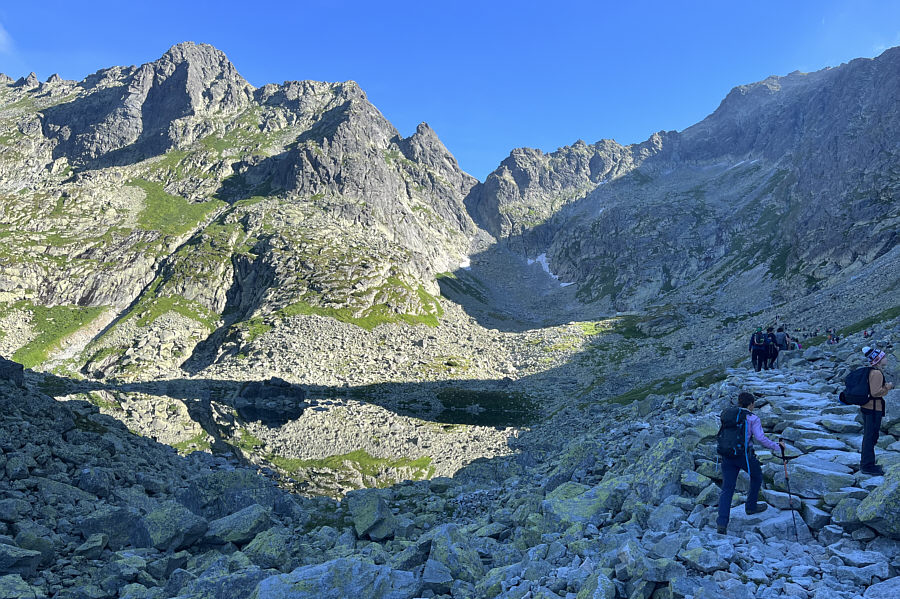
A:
(771, 348)
(873, 410)
(758, 351)
(735, 444)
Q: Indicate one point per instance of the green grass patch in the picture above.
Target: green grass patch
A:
(451, 284)
(668, 386)
(371, 318)
(169, 214)
(247, 441)
(627, 326)
(358, 461)
(196, 443)
(153, 308)
(52, 325)
(883, 316)
(98, 401)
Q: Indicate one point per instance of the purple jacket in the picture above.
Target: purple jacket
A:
(754, 430)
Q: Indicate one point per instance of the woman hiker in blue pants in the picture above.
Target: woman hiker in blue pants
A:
(732, 465)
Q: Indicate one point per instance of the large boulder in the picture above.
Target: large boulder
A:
(340, 579)
(13, 587)
(217, 494)
(15, 560)
(172, 526)
(881, 508)
(223, 584)
(572, 503)
(371, 515)
(889, 589)
(272, 548)
(597, 586)
(812, 482)
(892, 411)
(451, 547)
(657, 474)
(239, 528)
(122, 526)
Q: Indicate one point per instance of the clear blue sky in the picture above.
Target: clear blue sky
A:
(488, 76)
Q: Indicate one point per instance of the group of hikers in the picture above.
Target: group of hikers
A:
(765, 346)
(866, 387)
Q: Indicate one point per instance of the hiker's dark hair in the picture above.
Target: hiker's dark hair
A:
(745, 400)
(780, 330)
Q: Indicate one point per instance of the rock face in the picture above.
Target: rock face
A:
(301, 198)
(764, 194)
(135, 113)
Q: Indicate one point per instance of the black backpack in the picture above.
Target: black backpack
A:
(856, 388)
(732, 435)
(759, 339)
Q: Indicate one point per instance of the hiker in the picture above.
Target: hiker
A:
(873, 410)
(771, 348)
(757, 349)
(736, 458)
(781, 339)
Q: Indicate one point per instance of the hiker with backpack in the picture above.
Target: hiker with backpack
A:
(866, 387)
(740, 426)
(782, 339)
(758, 349)
(771, 348)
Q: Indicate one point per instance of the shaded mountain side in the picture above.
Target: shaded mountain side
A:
(792, 182)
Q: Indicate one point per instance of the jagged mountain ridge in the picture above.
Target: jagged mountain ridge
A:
(790, 185)
(362, 220)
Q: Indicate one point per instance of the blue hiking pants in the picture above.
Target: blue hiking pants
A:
(871, 430)
(730, 469)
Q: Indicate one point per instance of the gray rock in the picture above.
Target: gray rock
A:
(889, 589)
(452, 549)
(224, 584)
(812, 482)
(436, 577)
(93, 547)
(272, 548)
(12, 371)
(122, 527)
(172, 526)
(574, 503)
(598, 586)
(15, 560)
(239, 528)
(339, 579)
(371, 515)
(844, 513)
(657, 474)
(879, 510)
(13, 587)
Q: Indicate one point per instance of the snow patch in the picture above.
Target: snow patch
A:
(542, 260)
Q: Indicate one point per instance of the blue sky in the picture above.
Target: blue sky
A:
(487, 76)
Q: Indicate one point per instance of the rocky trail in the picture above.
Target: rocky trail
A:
(89, 509)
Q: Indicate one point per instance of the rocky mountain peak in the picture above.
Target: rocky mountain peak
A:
(130, 113)
(27, 82)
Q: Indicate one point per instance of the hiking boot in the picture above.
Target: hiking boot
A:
(721, 529)
(760, 507)
(873, 471)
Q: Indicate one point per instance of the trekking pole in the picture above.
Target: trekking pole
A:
(787, 481)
